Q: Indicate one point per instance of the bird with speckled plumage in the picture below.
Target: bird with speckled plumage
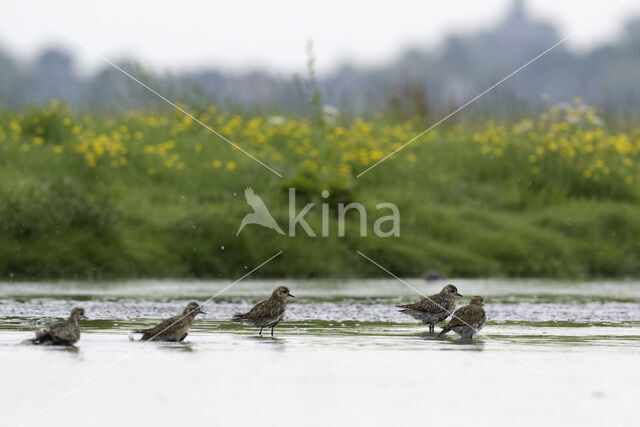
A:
(175, 328)
(467, 320)
(66, 332)
(267, 313)
(433, 309)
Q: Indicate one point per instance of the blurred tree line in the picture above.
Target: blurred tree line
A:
(420, 82)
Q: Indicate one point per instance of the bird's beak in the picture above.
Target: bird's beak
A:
(292, 296)
(83, 317)
(458, 294)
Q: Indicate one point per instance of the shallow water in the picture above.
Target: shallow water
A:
(551, 352)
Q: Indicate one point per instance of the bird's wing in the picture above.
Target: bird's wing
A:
(460, 316)
(69, 333)
(432, 304)
(259, 309)
(266, 309)
(165, 326)
(61, 331)
(48, 329)
(254, 201)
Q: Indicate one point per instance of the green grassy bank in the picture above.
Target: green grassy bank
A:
(151, 195)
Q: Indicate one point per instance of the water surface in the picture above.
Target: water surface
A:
(551, 351)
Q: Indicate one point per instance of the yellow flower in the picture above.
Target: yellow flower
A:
(628, 180)
(310, 165)
(138, 135)
(57, 149)
(198, 148)
(15, 126)
(25, 147)
(231, 165)
(345, 169)
(376, 154)
(38, 140)
(412, 157)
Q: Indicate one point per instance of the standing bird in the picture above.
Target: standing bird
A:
(61, 333)
(260, 214)
(433, 309)
(268, 313)
(467, 320)
(175, 328)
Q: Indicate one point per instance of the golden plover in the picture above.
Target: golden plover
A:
(467, 320)
(175, 328)
(433, 309)
(268, 313)
(61, 333)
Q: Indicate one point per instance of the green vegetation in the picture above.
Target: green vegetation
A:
(156, 195)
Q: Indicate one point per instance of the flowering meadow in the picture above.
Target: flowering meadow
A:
(144, 193)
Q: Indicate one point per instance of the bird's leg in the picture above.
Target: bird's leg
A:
(272, 330)
(431, 329)
(260, 332)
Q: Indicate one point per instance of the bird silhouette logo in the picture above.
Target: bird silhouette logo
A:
(260, 214)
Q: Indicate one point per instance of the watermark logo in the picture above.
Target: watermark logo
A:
(260, 214)
(384, 226)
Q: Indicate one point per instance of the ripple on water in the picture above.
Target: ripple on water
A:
(365, 311)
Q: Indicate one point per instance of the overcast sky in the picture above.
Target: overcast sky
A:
(235, 34)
